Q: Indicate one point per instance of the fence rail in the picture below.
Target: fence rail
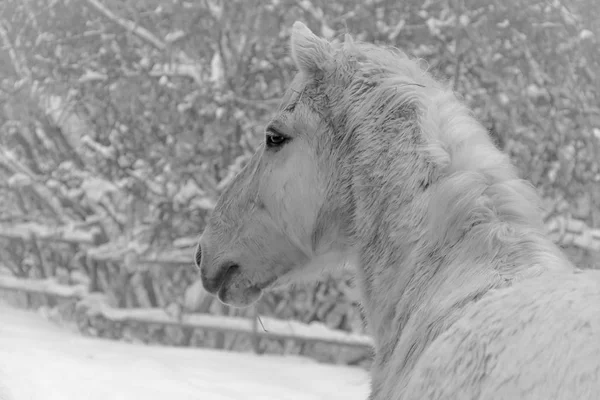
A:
(273, 328)
(48, 287)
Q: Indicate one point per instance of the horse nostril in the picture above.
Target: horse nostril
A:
(213, 284)
(232, 269)
(226, 271)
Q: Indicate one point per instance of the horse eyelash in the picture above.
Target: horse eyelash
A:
(271, 131)
(274, 131)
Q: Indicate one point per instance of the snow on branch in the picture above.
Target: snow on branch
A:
(186, 67)
(186, 70)
(573, 232)
(23, 178)
(66, 234)
(19, 65)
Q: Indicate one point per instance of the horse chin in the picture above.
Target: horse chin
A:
(239, 297)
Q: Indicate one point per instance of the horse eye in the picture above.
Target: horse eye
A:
(275, 139)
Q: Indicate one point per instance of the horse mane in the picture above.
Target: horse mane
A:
(476, 182)
(465, 223)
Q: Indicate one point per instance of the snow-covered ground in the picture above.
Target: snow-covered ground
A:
(41, 361)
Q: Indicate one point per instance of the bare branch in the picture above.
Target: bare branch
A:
(20, 67)
(129, 25)
(186, 66)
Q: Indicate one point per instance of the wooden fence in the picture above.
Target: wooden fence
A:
(561, 230)
(88, 297)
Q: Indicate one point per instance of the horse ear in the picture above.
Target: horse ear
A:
(310, 53)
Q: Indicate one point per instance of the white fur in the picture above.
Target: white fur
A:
(464, 294)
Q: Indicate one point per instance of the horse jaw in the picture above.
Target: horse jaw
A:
(319, 265)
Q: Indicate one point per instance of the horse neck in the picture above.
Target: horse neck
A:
(412, 291)
(414, 288)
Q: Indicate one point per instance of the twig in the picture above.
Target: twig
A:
(187, 67)
(129, 25)
(261, 323)
(31, 15)
(20, 68)
(42, 193)
(106, 152)
(396, 30)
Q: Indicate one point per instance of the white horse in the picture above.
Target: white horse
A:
(371, 161)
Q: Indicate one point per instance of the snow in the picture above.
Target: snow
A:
(39, 360)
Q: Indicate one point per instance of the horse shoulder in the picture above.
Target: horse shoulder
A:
(539, 338)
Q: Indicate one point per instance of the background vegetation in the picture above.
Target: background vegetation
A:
(127, 118)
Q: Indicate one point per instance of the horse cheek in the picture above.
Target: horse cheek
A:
(306, 195)
(293, 195)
